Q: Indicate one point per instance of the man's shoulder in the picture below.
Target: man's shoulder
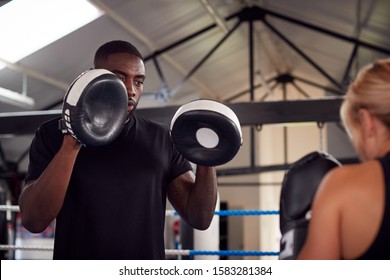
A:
(149, 122)
(51, 124)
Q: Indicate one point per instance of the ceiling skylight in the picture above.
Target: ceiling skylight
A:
(28, 25)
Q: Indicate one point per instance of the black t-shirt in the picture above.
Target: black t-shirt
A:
(114, 207)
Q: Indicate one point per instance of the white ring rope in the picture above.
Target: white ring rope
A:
(173, 252)
(27, 248)
(171, 213)
(12, 208)
(168, 252)
(15, 208)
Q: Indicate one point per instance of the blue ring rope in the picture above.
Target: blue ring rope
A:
(246, 212)
(233, 253)
(243, 212)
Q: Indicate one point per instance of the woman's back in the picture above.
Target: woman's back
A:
(362, 208)
(347, 212)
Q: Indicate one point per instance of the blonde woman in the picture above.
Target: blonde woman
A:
(351, 209)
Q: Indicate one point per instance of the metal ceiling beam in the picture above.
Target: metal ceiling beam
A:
(36, 74)
(203, 60)
(215, 16)
(186, 39)
(249, 114)
(132, 30)
(270, 168)
(358, 28)
(253, 13)
(251, 74)
(323, 30)
(22, 123)
(327, 89)
(302, 54)
(282, 78)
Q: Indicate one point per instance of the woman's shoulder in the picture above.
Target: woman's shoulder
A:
(352, 178)
(354, 171)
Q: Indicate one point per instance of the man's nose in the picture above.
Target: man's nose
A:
(130, 90)
(131, 93)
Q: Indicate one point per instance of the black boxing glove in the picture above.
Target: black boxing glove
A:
(299, 186)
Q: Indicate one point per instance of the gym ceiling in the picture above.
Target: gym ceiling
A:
(270, 61)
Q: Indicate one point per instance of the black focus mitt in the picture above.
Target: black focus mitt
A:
(95, 107)
(206, 132)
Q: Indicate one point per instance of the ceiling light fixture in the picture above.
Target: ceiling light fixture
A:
(28, 26)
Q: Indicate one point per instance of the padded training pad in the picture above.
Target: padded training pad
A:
(95, 107)
(206, 132)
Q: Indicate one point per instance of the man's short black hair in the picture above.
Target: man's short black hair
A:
(114, 47)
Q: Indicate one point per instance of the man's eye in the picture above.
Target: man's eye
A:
(139, 83)
(123, 79)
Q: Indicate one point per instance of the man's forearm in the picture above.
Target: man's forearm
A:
(42, 199)
(203, 198)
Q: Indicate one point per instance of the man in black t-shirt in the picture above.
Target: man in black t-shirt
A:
(109, 201)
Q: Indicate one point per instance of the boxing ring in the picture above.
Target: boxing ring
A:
(169, 252)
